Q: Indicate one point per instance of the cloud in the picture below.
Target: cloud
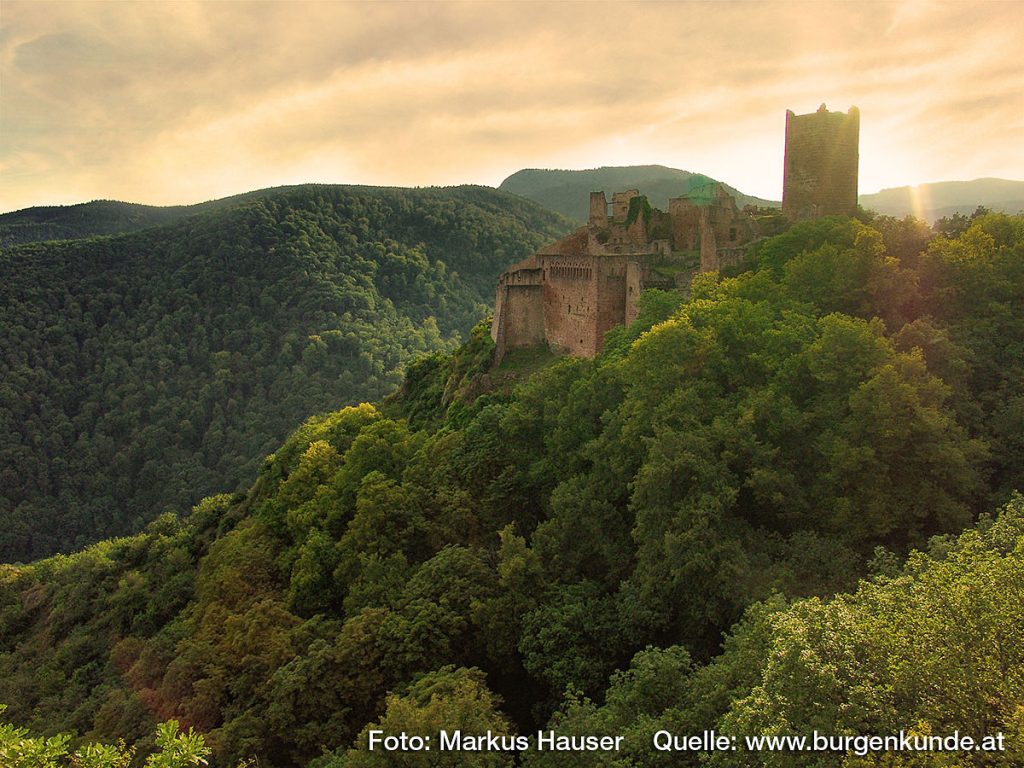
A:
(171, 103)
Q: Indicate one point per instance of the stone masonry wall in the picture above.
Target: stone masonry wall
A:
(598, 210)
(570, 305)
(620, 204)
(525, 316)
(821, 162)
(611, 298)
(585, 297)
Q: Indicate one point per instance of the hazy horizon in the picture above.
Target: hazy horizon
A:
(178, 103)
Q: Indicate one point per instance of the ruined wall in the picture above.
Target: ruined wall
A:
(598, 210)
(685, 217)
(708, 240)
(634, 284)
(822, 156)
(611, 298)
(620, 204)
(710, 223)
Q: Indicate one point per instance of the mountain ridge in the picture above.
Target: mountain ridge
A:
(934, 200)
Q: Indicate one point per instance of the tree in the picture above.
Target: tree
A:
(175, 749)
(450, 699)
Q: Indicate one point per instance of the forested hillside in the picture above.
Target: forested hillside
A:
(668, 536)
(145, 371)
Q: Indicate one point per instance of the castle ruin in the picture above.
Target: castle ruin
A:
(570, 293)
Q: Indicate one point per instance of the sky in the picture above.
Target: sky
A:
(178, 102)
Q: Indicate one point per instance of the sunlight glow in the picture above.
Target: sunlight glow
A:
(165, 103)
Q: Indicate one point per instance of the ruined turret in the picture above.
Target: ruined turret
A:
(598, 211)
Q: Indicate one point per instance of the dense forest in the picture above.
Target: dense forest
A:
(144, 371)
(781, 503)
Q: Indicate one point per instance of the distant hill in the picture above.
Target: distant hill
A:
(568, 192)
(146, 370)
(106, 217)
(100, 217)
(945, 198)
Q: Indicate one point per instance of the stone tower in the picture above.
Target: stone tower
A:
(820, 173)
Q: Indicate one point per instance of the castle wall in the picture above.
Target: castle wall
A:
(570, 305)
(710, 224)
(708, 240)
(518, 309)
(584, 298)
(525, 316)
(620, 204)
(611, 298)
(634, 284)
(821, 162)
(685, 218)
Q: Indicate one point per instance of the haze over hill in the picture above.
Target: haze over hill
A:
(568, 192)
(945, 198)
(149, 369)
(68, 222)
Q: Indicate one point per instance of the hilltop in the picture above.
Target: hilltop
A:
(104, 217)
(146, 370)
